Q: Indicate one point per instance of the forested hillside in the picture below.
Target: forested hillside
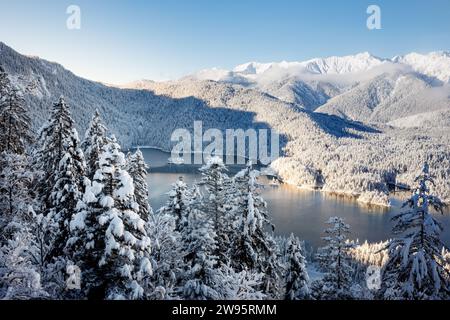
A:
(319, 150)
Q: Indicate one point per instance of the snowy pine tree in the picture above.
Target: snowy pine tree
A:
(110, 240)
(56, 139)
(416, 268)
(272, 281)
(67, 192)
(15, 124)
(178, 204)
(137, 168)
(297, 278)
(252, 247)
(15, 173)
(216, 203)
(19, 278)
(249, 247)
(201, 277)
(335, 262)
(59, 185)
(166, 256)
(15, 197)
(93, 142)
(41, 228)
(243, 285)
(23, 273)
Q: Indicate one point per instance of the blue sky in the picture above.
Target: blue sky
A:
(121, 41)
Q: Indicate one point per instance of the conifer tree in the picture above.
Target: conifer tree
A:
(296, 274)
(243, 285)
(55, 140)
(23, 272)
(15, 124)
(272, 280)
(217, 203)
(252, 247)
(335, 262)
(15, 179)
(93, 142)
(19, 278)
(178, 204)
(15, 174)
(166, 257)
(201, 276)
(67, 191)
(137, 168)
(41, 228)
(18, 274)
(416, 268)
(110, 240)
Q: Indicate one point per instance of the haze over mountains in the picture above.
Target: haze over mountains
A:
(312, 104)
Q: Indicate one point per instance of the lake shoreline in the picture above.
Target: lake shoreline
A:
(181, 168)
(293, 209)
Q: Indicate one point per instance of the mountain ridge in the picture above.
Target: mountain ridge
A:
(313, 84)
(319, 149)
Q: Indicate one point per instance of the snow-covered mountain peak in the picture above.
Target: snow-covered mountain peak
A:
(434, 64)
(330, 65)
(312, 82)
(343, 65)
(252, 68)
(276, 71)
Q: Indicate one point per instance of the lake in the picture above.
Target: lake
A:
(292, 210)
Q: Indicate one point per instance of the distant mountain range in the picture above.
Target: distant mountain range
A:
(359, 87)
(434, 65)
(348, 124)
